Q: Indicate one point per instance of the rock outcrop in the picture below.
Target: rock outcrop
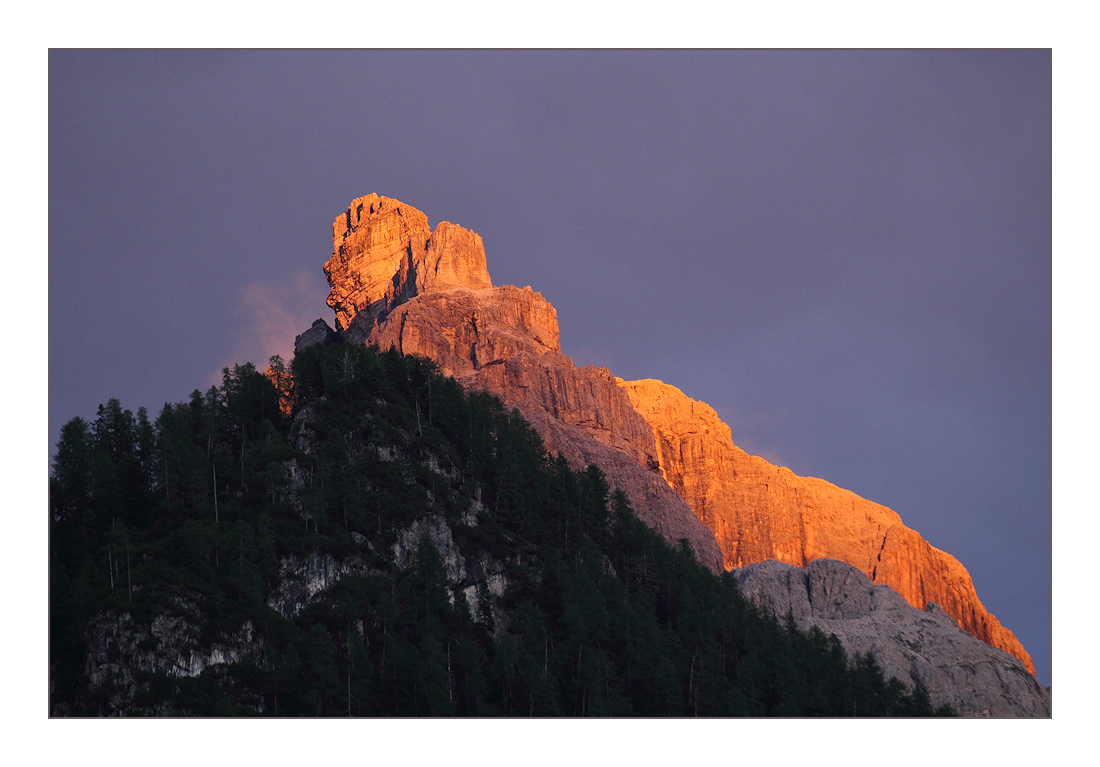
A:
(759, 511)
(318, 333)
(918, 647)
(384, 252)
(395, 282)
(123, 650)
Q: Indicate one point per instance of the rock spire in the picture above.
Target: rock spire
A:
(384, 253)
(395, 283)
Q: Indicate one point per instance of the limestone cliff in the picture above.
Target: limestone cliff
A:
(384, 252)
(759, 511)
(395, 282)
(918, 647)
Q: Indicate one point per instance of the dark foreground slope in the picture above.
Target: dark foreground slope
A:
(363, 538)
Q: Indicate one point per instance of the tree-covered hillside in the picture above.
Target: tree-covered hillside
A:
(355, 535)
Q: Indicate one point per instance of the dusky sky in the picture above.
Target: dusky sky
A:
(846, 253)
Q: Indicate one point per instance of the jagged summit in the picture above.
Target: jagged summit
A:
(396, 283)
(384, 252)
(393, 288)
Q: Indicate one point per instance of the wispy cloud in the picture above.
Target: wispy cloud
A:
(272, 315)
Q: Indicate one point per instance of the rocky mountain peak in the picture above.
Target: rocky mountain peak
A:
(396, 283)
(384, 252)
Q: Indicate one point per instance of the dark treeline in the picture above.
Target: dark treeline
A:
(185, 521)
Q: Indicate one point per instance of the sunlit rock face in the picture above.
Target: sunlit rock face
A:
(583, 416)
(465, 330)
(396, 283)
(384, 252)
(759, 512)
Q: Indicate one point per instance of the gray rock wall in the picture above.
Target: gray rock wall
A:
(925, 648)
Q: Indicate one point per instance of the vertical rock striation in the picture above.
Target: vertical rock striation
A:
(759, 512)
(384, 253)
(397, 283)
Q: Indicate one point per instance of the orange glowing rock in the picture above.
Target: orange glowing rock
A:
(759, 511)
(396, 283)
(384, 252)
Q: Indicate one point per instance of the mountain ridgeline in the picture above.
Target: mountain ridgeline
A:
(434, 511)
(357, 534)
(397, 282)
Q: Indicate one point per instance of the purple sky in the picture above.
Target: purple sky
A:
(846, 254)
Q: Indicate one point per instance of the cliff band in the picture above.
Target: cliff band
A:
(396, 282)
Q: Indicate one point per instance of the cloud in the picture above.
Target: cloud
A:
(272, 315)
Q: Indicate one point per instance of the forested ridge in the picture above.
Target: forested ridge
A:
(356, 535)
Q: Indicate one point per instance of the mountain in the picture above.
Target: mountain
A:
(395, 282)
(433, 511)
(395, 285)
(759, 512)
(355, 535)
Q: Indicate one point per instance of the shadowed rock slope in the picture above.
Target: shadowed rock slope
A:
(397, 283)
(917, 647)
(392, 546)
